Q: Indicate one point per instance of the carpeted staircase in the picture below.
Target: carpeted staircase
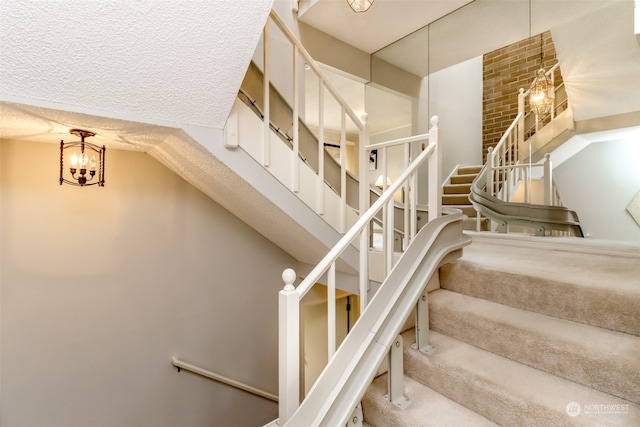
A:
(455, 194)
(526, 334)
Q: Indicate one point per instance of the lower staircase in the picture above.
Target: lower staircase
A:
(455, 194)
(526, 334)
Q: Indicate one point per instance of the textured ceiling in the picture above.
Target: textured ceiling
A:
(177, 62)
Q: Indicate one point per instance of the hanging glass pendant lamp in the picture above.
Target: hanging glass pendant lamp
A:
(542, 93)
(360, 5)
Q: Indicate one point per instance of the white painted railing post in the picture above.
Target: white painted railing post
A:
(321, 183)
(288, 347)
(266, 134)
(295, 164)
(548, 180)
(491, 171)
(331, 311)
(343, 170)
(363, 204)
(407, 197)
(521, 120)
(435, 172)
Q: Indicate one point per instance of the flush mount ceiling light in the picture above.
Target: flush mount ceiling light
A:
(360, 5)
(86, 161)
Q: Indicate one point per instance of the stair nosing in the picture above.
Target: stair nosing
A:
(514, 389)
(536, 338)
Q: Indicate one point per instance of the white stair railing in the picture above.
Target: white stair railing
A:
(300, 54)
(290, 297)
(505, 164)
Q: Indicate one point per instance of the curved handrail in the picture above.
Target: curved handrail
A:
(490, 189)
(345, 379)
(542, 217)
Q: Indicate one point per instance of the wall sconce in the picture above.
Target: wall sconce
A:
(86, 161)
(360, 5)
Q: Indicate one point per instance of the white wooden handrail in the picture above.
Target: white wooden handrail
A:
(290, 297)
(222, 379)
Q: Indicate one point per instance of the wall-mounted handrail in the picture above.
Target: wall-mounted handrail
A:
(290, 297)
(222, 379)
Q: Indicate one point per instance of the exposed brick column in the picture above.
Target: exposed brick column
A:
(505, 71)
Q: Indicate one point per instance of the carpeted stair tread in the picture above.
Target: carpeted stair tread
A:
(427, 408)
(469, 169)
(455, 199)
(595, 289)
(599, 358)
(456, 189)
(507, 392)
(463, 179)
(466, 209)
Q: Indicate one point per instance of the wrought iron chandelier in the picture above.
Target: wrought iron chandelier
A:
(86, 161)
(360, 5)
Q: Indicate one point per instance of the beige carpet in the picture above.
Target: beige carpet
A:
(526, 335)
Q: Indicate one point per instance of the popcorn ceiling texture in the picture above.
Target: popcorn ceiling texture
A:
(175, 62)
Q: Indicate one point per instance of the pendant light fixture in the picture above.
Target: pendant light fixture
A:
(86, 161)
(360, 5)
(541, 93)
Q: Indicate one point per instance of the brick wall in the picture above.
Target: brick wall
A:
(505, 71)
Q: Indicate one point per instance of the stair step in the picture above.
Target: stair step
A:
(427, 408)
(468, 210)
(591, 288)
(463, 179)
(469, 170)
(507, 392)
(456, 189)
(455, 199)
(598, 358)
(471, 224)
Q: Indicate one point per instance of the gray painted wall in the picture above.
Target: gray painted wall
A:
(455, 95)
(598, 183)
(101, 287)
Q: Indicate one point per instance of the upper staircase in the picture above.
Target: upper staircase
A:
(510, 164)
(455, 194)
(525, 335)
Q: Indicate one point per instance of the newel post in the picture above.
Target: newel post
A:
(435, 172)
(288, 348)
